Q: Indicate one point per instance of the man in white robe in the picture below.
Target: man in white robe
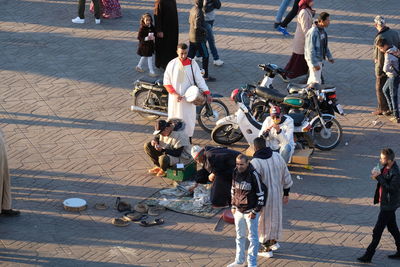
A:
(275, 175)
(181, 73)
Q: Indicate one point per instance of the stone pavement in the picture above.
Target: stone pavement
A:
(64, 110)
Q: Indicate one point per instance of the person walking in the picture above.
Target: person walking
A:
(316, 48)
(209, 17)
(198, 37)
(391, 68)
(81, 12)
(392, 37)
(248, 197)
(282, 27)
(217, 164)
(167, 28)
(180, 74)
(5, 182)
(275, 175)
(146, 44)
(387, 193)
(297, 65)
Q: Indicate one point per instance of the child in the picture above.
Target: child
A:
(146, 44)
(391, 69)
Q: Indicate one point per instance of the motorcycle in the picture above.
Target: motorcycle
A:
(150, 100)
(313, 127)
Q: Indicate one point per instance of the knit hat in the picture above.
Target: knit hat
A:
(380, 20)
(195, 152)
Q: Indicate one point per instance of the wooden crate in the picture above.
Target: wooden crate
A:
(186, 173)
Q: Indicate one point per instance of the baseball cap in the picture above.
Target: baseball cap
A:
(160, 126)
(275, 111)
(195, 152)
(380, 20)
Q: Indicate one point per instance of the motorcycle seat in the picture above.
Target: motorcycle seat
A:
(298, 118)
(269, 93)
(150, 81)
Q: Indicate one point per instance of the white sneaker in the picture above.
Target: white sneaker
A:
(97, 21)
(275, 246)
(266, 254)
(234, 264)
(199, 59)
(78, 20)
(218, 62)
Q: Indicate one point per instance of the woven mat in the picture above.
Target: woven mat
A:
(182, 204)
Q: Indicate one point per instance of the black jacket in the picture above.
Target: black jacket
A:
(390, 183)
(211, 5)
(197, 31)
(247, 193)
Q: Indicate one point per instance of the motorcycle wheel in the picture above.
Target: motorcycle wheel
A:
(329, 138)
(225, 134)
(140, 99)
(219, 110)
(260, 110)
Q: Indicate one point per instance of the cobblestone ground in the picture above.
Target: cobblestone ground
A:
(64, 110)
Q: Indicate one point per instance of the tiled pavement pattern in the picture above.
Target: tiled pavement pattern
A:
(64, 110)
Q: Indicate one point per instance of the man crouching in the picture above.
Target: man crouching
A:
(247, 201)
(170, 146)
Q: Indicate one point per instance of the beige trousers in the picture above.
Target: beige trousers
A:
(5, 184)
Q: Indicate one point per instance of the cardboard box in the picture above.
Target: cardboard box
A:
(182, 174)
(301, 156)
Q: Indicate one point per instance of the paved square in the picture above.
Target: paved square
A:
(64, 98)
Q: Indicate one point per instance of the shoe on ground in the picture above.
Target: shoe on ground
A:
(234, 264)
(395, 256)
(139, 69)
(394, 119)
(10, 212)
(276, 25)
(161, 173)
(275, 246)
(199, 59)
(283, 31)
(210, 79)
(377, 112)
(78, 20)
(154, 170)
(97, 21)
(365, 258)
(218, 62)
(387, 112)
(152, 74)
(265, 252)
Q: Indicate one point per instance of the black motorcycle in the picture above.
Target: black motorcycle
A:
(150, 100)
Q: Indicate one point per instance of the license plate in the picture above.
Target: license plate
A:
(340, 109)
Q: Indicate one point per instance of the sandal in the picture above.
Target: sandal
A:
(134, 216)
(155, 210)
(100, 206)
(120, 222)
(152, 223)
(141, 208)
(122, 205)
(154, 170)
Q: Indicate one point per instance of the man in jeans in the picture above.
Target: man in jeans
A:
(316, 48)
(247, 200)
(387, 193)
(281, 26)
(81, 12)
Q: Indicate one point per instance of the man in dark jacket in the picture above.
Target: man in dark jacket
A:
(218, 165)
(384, 32)
(388, 195)
(198, 36)
(247, 200)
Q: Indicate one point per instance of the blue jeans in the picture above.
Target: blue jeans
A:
(202, 49)
(242, 221)
(282, 8)
(285, 152)
(390, 90)
(210, 39)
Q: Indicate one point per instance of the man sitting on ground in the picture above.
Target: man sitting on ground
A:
(278, 129)
(170, 146)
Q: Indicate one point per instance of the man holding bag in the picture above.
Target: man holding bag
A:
(180, 74)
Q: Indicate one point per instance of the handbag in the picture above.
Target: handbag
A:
(201, 99)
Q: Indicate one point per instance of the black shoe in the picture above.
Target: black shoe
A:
(365, 258)
(276, 25)
(10, 212)
(395, 256)
(210, 79)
